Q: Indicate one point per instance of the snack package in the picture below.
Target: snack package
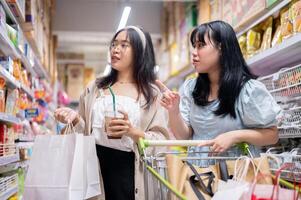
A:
(267, 26)
(253, 41)
(295, 15)
(277, 39)
(12, 96)
(242, 40)
(17, 70)
(286, 24)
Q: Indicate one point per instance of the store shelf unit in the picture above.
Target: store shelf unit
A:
(7, 46)
(10, 80)
(8, 186)
(271, 60)
(13, 83)
(176, 79)
(9, 154)
(10, 50)
(290, 126)
(269, 12)
(8, 118)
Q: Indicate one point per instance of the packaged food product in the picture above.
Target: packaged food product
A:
(2, 100)
(277, 39)
(242, 40)
(2, 82)
(11, 100)
(253, 41)
(17, 70)
(295, 15)
(267, 27)
(286, 24)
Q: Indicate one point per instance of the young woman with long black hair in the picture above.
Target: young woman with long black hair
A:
(224, 105)
(132, 79)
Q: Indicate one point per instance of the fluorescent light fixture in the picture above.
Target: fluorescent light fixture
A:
(122, 23)
(107, 70)
(124, 17)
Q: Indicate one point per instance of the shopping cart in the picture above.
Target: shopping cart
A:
(155, 176)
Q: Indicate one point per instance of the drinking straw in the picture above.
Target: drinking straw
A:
(114, 102)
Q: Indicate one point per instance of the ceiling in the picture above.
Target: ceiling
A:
(86, 26)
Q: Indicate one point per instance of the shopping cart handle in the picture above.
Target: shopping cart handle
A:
(143, 144)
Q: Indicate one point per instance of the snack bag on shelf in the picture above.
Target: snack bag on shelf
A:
(295, 15)
(277, 36)
(267, 27)
(2, 94)
(12, 96)
(253, 41)
(242, 40)
(286, 24)
(17, 69)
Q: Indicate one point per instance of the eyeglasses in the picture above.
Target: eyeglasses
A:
(123, 45)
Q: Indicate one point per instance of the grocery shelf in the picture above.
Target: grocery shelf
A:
(15, 6)
(4, 160)
(7, 46)
(27, 64)
(286, 132)
(269, 12)
(13, 83)
(28, 91)
(8, 118)
(9, 193)
(8, 11)
(39, 69)
(26, 30)
(176, 79)
(10, 79)
(271, 60)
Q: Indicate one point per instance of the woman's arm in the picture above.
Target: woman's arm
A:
(257, 137)
(179, 128)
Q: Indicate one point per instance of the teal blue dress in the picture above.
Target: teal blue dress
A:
(255, 108)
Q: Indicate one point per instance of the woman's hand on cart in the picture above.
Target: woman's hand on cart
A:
(221, 143)
(170, 99)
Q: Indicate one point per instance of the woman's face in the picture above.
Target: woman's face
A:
(121, 52)
(205, 57)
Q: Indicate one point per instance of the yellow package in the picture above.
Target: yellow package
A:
(253, 42)
(267, 28)
(295, 15)
(242, 40)
(277, 36)
(286, 24)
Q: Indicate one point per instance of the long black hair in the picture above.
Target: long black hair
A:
(143, 63)
(234, 70)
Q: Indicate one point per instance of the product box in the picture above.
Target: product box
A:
(270, 3)
(237, 12)
(7, 63)
(216, 10)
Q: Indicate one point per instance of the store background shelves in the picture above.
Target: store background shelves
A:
(8, 118)
(286, 54)
(9, 193)
(7, 46)
(255, 21)
(10, 80)
(4, 160)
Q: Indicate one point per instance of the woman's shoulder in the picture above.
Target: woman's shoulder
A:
(254, 86)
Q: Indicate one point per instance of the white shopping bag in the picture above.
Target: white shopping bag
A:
(233, 190)
(92, 181)
(57, 169)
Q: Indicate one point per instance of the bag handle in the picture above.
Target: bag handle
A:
(207, 189)
(70, 129)
(224, 174)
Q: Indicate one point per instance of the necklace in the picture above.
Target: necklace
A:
(124, 82)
